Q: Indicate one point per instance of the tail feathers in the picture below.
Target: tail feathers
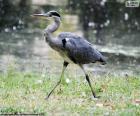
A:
(103, 61)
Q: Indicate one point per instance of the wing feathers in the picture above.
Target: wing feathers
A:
(80, 50)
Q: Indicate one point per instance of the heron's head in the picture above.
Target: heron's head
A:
(48, 15)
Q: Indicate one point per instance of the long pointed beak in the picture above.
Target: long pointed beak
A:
(40, 15)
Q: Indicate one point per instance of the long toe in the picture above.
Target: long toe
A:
(97, 97)
(47, 97)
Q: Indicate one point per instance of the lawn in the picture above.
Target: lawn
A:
(25, 92)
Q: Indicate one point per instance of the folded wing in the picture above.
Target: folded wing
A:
(79, 50)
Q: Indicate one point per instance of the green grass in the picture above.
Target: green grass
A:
(25, 92)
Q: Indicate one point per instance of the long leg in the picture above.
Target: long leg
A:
(88, 80)
(65, 64)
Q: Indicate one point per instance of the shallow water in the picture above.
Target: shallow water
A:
(27, 51)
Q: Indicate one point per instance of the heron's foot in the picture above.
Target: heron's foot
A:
(47, 97)
(97, 97)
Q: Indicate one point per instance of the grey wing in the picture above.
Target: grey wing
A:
(80, 50)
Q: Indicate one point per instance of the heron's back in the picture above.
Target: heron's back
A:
(78, 49)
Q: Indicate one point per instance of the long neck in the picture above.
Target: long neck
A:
(51, 28)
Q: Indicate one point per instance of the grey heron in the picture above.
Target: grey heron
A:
(72, 48)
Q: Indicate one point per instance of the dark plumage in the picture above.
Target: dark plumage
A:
(54, 13)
